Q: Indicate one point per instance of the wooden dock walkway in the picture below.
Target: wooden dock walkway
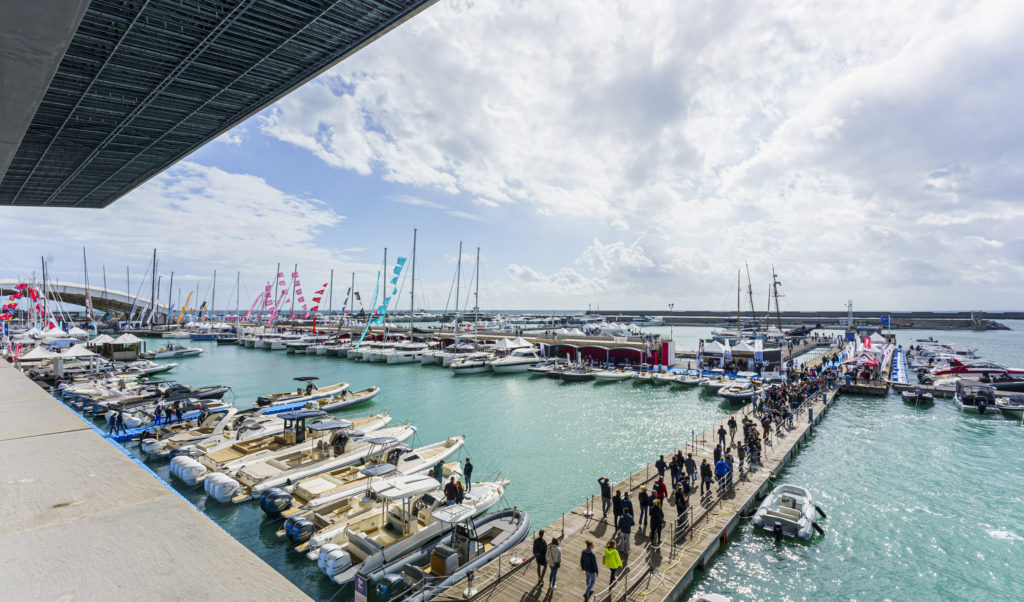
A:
(653, 573)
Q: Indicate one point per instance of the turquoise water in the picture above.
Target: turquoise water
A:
(922, 504)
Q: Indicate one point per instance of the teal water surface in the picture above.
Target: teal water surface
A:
(922, 504)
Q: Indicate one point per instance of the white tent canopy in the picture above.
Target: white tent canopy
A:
(521, 342)
(503, 345)
(39, 353)
(743, 346)
(78, 332)
(127, 339)
(877, 339)
(55, 332)
(78, 351)
(102, 340)
(714, 347)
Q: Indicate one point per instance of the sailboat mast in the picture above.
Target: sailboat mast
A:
(277, 279)
(739, 331)
(294, 278)
(330, 293)
(152, 286)
(213, 298)
(88, 297)
(238, 291)
(750, 291)
(412, 289)
(458, 283)
(775, 289)
(476, 295)
(170, 290)
(352, 295)
(46, 297)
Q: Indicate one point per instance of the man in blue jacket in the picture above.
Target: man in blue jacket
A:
(721, 469)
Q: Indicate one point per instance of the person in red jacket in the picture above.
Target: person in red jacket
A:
(660, 491)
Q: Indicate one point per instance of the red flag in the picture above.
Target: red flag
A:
(32, 293)
(21, 286)
(316, 299)
(314, 324)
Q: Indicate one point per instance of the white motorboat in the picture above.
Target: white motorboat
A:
(473, 363)
(453, 353)
(317, 492)
(973, 397)
(344, 448)
(470, 543)
(231, 454)
(613, 375)
(405, 524)
(1012, 406)
(217, 428)
(519, 360)
(738, 391)
(310, 393)
(645, 321)
(175, 334)
(788, 511)
(690, 378)
(715, 381)
(343, 399)
(663, 378)
(406, 353)
(172, 351)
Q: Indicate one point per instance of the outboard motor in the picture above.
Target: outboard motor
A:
(339, 442)
(262, 401)
(188, 451)
(150, 446)
(299, 529)
(777, 531)
(274, 501)
(221, 487)
(333, 560)
(188, 470)
(982, 405)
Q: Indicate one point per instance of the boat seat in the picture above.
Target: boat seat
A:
(786, 513)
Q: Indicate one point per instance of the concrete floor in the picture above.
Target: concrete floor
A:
(83, 521)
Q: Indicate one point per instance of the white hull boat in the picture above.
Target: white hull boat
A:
(788, 511)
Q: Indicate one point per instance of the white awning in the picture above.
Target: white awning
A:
(39, 353)
(102, 340)
(78, 351)
(127, 339)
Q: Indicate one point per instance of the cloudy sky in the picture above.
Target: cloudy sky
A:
(613, 154)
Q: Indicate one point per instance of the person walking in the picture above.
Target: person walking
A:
(644, 500)
(691, 468)
(624, 528)
(741, 453)
(612, 560)
(705, 476)
(721, 469)
(657, 522)
(616, 507)
(728, 476)
(682, 503)
(606, 496)
(732, 428)
(112, 428)
(467, 475)
(626, 505)
(660, 466)
(540, 554)
(717, 455)
(673, 469)
(588, 562)
(554, 558)
(660, 491)
(721, 435)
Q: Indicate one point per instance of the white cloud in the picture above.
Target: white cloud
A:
(418, 202)
(853, 146)
(198, 217)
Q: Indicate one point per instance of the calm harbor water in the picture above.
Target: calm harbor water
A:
(921, 504)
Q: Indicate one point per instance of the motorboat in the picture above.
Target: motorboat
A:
(978, 368)
(344, 447)
(467, 544)
(406, 353)
(1012, 406)
(454, 353)
(663, 378)
(473, 363)
(175, 334)
(1003, 382)
(917, 397)
(690, 378)
(715, 381)
(544, 368)
(231, 454)
(644, 377)
(161, 441)
(246, 425)
(518, 360)
(170, 351)
(316, 492)
(405, 524)
(578, 373)
(344, 399)
(380, 352)
(788, 511)
(614, 375)
(974, 398)
(645, 321)
(310, 393)
(738, 391)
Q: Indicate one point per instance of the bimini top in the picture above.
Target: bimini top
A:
(378, 470)
(405, 486)
(454, 514)
(301, 414)
(380, 440)
(326, 425)
(305, 378)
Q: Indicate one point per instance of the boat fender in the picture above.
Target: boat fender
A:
(820, 511)
(818, 528)
(724, 537)
(301, 530)
(274, 501)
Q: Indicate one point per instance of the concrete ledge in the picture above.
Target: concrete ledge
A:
(84, 521)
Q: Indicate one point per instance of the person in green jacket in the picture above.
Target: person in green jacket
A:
(611, 559)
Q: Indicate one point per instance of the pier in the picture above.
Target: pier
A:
(85, 520)
(652, 573)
